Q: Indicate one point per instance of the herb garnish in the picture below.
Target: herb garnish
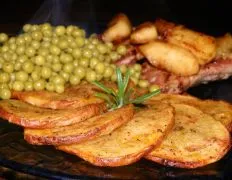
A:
(116, 99)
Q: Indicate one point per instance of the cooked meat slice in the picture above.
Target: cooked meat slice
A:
(219, 110)
(196, 140)
(128, 143)
(30, 116)
(73, 97)
(130, 57)
(76, 133)
(170, 83)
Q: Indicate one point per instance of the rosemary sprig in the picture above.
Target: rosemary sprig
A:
(120, 98)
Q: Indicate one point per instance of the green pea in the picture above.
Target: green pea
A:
(5, 93)
(153, 88)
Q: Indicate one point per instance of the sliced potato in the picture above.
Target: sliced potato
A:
(144, 33)
(118, 29)
(164, 27)
(170, 57)
(196, 140)
(200, 45)
(171, 98)
(128, 143)
(220, 110)
(224, 46)
(82, 131)
(72, 97)
(30, 116)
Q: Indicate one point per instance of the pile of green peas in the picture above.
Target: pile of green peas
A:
(46, 57)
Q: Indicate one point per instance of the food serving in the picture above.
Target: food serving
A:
(104, 97)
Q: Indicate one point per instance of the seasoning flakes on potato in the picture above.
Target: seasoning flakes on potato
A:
(82, 131)
(128, 143)
(219, 110)
(195, 141)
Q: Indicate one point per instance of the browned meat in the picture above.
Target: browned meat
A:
(131, 57)
(170, 83)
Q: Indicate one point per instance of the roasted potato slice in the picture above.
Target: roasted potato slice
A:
(76, 133)
(224, 46)
(73, 97)
(128, 143)
(196, 140)
(220, 110)
(201, 45)
(144, 33)
(172, 98)
(30, 116)
(170, 57)
(119, 28)
(164, 27)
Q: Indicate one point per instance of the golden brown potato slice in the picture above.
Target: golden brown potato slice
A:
(196, 140)
(143, 33)
(170, 57)
(30, 116)
(224, 46)
(164, 27)
(118, 29)
(76, 133)
(128, 143)
(73, 97)
(199, 44)
(171, 98)
(220, 110)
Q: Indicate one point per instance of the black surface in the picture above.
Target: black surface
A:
(47, 162)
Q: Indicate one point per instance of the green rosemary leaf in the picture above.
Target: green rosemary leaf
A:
(113, 108)
(119, 78)
(120, 87)
(127, 95)
(104, 88)
(105, 97)
(116, 99)
(126, 80)
(142, 98)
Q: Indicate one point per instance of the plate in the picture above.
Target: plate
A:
(46, 161)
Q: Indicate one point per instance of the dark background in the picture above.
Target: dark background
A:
(209, 16)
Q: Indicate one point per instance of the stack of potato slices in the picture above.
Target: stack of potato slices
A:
(173, 130)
